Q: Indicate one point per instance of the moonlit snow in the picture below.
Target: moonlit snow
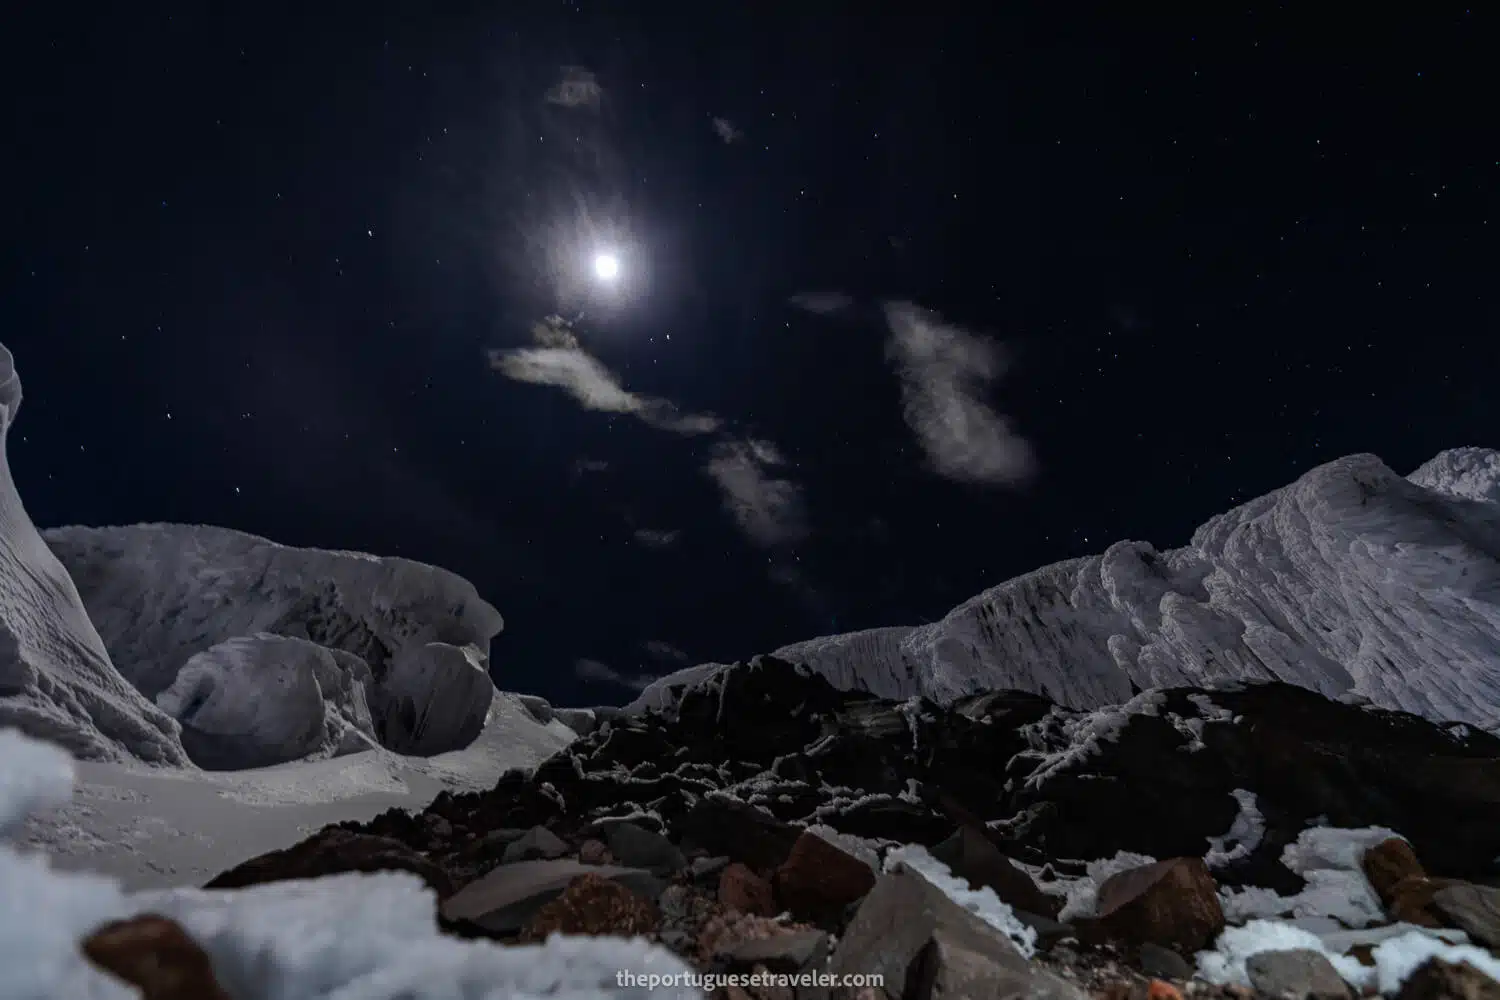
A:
(311, 687)
(1351, 581)
(350, 937)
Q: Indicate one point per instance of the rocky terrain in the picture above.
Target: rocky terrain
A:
(997, 846)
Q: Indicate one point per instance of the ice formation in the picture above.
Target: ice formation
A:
(1352, 581)
(177, 644)
(56, 680)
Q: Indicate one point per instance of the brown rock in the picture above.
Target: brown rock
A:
(1163, 990)
(1439, 980)
(972, 856)
(1387, 863)
(593, 905)
(594, 852)
(947, 970)
(333, 850)
(1412, 900)
(156, 955)
(818, 880)
(1173, 903)
(743, 890)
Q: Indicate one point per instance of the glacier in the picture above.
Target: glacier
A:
(1352, 581)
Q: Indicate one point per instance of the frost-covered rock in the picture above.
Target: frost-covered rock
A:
(163, 595)
(1351, 581)
(266, 699)
(56, 680)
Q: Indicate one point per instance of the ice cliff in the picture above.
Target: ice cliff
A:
(1351, 581)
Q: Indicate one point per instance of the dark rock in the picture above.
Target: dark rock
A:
(1298, 974)
(742, 832)
(639, 848)
(329, 852)
(154, 954)
(538, 843)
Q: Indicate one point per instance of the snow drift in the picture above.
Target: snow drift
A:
(1352, 581)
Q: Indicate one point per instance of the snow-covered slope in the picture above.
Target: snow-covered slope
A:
(56, 680)
(166, 595)
(1350, 581)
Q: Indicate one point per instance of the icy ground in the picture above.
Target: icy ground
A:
(1352, 581)
(349, 937)
(159, 827)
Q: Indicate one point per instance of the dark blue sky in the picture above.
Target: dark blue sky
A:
(252, 264)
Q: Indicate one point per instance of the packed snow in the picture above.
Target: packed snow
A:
(1351, 580)
(346, 937)
(165, 827)
(982, 902)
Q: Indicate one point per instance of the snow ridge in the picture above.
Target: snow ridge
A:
(56, 680)
(1350, 581)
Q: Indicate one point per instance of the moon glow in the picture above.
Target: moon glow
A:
(606, 266)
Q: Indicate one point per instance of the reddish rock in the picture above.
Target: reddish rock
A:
(1387, 864)
(1160, 989)
(593, 905)
(743, 890)
(154, 954)
(1411, 900)
(1172, 903)
(594, 852)
(818, 880)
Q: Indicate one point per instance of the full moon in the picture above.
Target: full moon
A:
(607, 266)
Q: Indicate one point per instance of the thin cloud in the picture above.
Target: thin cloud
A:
(593, 670)
(724, 129)
(656, 538)
(559, 361)
(944, 373)
(665, 651)
(822, 303)
(578, 88)
(586, 466)
(768, 509)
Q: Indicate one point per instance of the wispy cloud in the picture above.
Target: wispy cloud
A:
(560, 361)
(944, 374)
(767, 508)
(586, 466)
(578, 88)
(665, 651)
(594, 670)
(656, 538)
(724, 129)
(822, 303)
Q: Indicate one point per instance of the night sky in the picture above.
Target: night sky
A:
(258, 271)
